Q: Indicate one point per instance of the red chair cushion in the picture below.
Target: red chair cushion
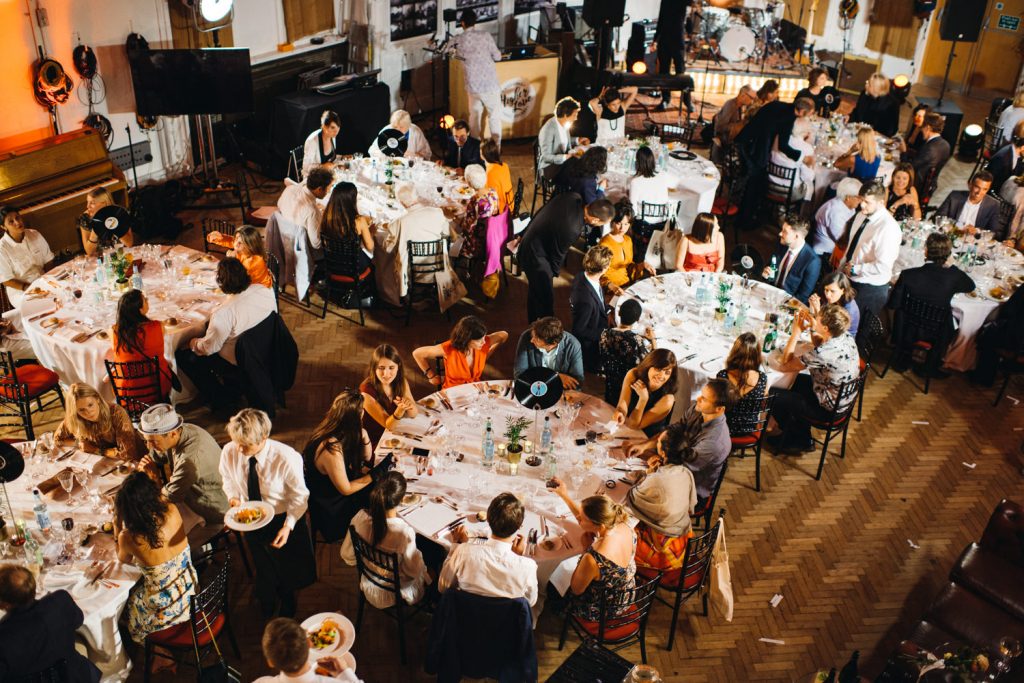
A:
(614, 634)
(927, 346)
(345, 278)
(743, 440)
(862, 365)
(38, 380)
(180, 635)
(822, 424)
(670, 579)
(722, 206)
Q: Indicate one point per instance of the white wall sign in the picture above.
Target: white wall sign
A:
(518, 98)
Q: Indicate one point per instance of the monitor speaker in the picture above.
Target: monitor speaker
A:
(604, 12)
(961, 20)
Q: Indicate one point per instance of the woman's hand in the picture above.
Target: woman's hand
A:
(459, 534)
(559, 487)
(640, 389)
(814, 303)
(654, 462)
(619, 417)
(213, 236)
(649, 333)
(616, 290)
(634, 450)
(403, 403)
(436, 380)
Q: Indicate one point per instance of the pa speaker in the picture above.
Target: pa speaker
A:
(961, 20)
(604, 12)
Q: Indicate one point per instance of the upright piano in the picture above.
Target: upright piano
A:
(47, 181)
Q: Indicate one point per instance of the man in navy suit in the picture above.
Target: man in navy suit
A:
(589, 312)
(462, 150)
(797, 266)
(974, 208)
(38, 634)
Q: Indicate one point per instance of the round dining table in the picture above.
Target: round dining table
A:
(829, 146)
(693, 179)
(699, 340)
(67, 315)
(997, 272)
(440, 453)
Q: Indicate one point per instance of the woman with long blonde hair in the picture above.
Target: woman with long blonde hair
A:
(97, 426)
(337, 459)
(876, 107)
(863, 159)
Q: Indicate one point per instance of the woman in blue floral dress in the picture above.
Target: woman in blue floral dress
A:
(149, 532)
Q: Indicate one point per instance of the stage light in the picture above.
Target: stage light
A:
(215, 10)
(901, 86)
(447, 121)
(639, 68)
(970, 142)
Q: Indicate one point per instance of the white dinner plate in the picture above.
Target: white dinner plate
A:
(342, 644)
(266, 508)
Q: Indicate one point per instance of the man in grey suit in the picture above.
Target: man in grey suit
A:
(546, 344)
(974, 208)
(554, 141)
(932, 155)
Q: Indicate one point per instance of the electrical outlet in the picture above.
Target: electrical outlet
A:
(123, 155)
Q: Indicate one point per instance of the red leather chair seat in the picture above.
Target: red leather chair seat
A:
(924, 345)
(862, 365)
(973, 619)
(670, 579)
(345, 278)
(612, 633)
(722, 207)
(743, 440)
(180, 635)
(38, 379)
(822, 424)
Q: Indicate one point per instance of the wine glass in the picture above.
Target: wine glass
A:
(83, 477)
(1009, 650)
(44, 445)
(66, 479)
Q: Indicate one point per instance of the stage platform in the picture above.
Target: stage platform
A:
(726, 78)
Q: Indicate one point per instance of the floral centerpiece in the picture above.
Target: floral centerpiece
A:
(953, 663)
(120, 267)
(515, 428)
(723, 296)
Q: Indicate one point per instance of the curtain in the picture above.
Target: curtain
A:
(305, 17)
(894, 29)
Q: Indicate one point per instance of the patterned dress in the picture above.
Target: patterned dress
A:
(611, 578)
(742, 418)
(621, 351)
(474, 224)
(161, 598)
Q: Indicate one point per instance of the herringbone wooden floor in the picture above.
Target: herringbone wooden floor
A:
(838, 550)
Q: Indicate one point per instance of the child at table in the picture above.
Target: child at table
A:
(247, 246)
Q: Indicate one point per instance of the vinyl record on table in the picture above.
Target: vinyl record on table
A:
(112, 221)
(830, 96)
(538, 388)
(392, 143)
(683, 155)
(12, 464)
(746, 260)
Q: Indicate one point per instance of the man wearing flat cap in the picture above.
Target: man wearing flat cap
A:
(192, 456)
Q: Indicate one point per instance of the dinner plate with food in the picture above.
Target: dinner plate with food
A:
(999, 294)
(249, 515)
(329, 633)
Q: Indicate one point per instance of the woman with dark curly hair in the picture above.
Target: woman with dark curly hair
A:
(465, 353)
(148, 531)
(580, 174)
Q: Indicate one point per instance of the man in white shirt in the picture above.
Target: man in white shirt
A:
(286, 647)
(872, 249)
(24, 255)
(478, 52)
(209, 361)
(831, 219)
(421, 223)
(254, 467)
(298, 203)
(417, 146)
(495, 566)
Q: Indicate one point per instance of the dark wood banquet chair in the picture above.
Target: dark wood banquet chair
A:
(215, 225)
(274, 266)
(691, 578)
(541, 185)
(423, 260)
(741, 443)
(22, 388)
(343, 276)
(781, 193)
(1011, 364)
(136, 385)
(670, 132)
(869, 336)
(839, 417)
(209, 617)
(622, 620)
(991, 141)
(701, 517)
(920, 325)
(381, 569)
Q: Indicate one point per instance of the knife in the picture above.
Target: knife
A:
(64, 456)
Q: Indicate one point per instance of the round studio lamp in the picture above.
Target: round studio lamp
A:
(447, 121)
(639, 67)
(900, 86)
(970, 142)
(215, 10)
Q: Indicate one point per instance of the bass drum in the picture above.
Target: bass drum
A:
(737, 44)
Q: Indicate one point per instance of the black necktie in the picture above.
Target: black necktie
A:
(1018, 168)
(856, 240)
(254, 481)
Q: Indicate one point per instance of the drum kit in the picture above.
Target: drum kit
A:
(738, 34)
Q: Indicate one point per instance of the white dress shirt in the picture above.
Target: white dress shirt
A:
(238, 313)
(1010, 117)
(478, 51)
(877, 249)
(420, 224)
(311, 150)
(282, 483)
(803, 184)
(829, 223)
(299, 206)
(418, 147)
(652, 190)
(400, 539)
(23, 261)
(346, 676)
(968, 214)
(489, 567)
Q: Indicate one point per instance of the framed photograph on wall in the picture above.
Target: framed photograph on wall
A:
(486, 10)
(411, 18)
(527, 6)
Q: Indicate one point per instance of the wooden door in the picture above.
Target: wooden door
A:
(996, 65)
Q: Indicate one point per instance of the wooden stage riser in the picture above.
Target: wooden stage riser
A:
(730, 82)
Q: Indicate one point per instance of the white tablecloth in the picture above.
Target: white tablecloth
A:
(100, 602)
(694, 181)
(970, 310)
(471, 487)
(191, 300)
(698, 341)
(827, 150)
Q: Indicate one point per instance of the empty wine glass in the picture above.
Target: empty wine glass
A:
(1009, 650)
(66, 479)
(83, 477)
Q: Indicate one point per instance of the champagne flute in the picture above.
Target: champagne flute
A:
(82, 477)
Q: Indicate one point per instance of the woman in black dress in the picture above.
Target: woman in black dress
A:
(817, 80)
(338, 458)
(743, 370)
(902, 201)
(649, 393)
(877, 107)
(342, 221)
(621, 349)
(914, 138)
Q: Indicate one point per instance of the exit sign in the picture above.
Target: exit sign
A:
(1008, 22)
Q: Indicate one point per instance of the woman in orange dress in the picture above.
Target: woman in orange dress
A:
(465, 353)
(499, 178)
(704, 248)
(135, 337)
(622, 271)
(246, 246)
